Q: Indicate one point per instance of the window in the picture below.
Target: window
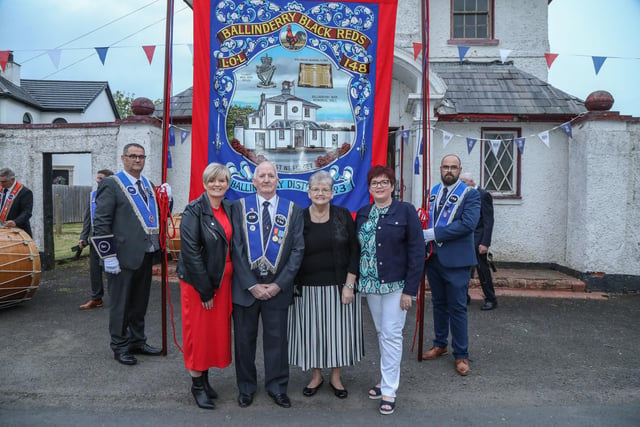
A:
(307, 112)
(314, 134)
(281, 134)
(278, 110)
(472, 19)
(27, 119)
(501, 172)
(59, 120)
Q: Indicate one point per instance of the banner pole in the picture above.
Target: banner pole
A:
(426, 167)
(165, 149)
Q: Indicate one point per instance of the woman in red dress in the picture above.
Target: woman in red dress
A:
(205, 270)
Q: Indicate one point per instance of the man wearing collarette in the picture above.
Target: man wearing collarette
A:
(267, 250)
(16, 202)
(126, 235)
(95, 270)
(454, 210)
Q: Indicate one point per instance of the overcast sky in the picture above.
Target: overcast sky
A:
(578, 30)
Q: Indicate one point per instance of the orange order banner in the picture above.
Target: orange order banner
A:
(305, 85)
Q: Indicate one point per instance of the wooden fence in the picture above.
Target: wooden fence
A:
(70, 203)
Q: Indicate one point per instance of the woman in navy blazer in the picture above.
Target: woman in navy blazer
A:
(391, 266)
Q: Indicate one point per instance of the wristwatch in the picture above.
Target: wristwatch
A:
(349, 285)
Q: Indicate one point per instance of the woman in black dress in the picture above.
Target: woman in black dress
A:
(325, 320)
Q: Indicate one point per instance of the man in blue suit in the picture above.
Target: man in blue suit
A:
(454, 210)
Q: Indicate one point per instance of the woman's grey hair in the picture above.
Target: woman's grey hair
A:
(214, 170)
(321, 177)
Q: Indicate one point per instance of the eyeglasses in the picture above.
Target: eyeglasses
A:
(450, 168)
(136, 157)
(383, 183)
(320, 190)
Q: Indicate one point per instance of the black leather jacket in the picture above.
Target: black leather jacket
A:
(204, 247)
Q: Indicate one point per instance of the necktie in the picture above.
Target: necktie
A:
(266, 223)
(443, 199)
(141, 191)
(4, 196)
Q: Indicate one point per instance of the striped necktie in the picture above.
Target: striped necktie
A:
(266, 223)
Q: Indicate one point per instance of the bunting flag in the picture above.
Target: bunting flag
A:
(544, 137)
(339, 56)
(102, 53)
(54, 56)
(184, 134)
(172, 136)
(462, 51)
(471, 142)
(550, 58)
(446, 138)
(417, 48)
(4, 57)
(597, 62)
(504, 53)
(416, 166)
(169, 161)
(566, 127)
(520, 144)
(149, 51)
(406, 135)
(420, 148)
(495, 146)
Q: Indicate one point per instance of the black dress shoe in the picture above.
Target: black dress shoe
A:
(281, 399)
(489, 305)
(339, 393)
(310, 391)
(125, 358)
(245, 400)
(147, 350)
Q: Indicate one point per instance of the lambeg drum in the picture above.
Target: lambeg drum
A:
(19, 267)
(173, 237)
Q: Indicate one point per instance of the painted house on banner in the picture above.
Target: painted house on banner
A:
(539, 151)
(286, 121)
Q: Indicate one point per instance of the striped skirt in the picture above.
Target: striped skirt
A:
(323, 332)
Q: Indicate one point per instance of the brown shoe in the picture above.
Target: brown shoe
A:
(434, 353)
(462, 367)
(91, 304)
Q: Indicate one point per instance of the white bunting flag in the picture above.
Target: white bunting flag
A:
(544, 137)
(495, 146)
(504, 53)
(446, 138)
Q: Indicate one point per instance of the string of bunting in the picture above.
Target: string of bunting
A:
(598, 61)
(405, 135)
(184, 134)
(56, 54)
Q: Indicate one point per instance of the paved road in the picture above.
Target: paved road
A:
(535, 362)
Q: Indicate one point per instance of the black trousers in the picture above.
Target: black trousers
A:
(274, 344)
(95, 275)
(128, 300)
(484, 275)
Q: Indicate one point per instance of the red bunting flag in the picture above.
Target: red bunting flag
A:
(4, 57)
(149, 50)
(550, 58)
(417, 48)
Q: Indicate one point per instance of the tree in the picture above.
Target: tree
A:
(123, 103)
(236, 113)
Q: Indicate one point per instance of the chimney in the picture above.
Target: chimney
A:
(11, 71)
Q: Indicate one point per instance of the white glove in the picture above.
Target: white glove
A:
(167, 189)
(111, 265)
(428, 235)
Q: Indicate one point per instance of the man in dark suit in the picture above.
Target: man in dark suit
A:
(267, 251)
(454, 210)
(482, 242)
(95, 271)
(126, 235)
(16, 202)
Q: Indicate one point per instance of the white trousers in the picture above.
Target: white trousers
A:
(388, 319)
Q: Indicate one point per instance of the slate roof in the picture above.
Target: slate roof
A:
(10, 90)
(496, 88)
(57, 95)
(181, 104)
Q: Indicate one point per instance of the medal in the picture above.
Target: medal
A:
(252, 228)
